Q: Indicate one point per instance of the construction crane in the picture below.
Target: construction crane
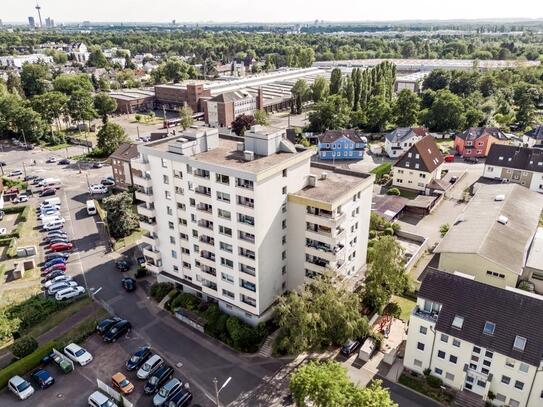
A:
(38, 7)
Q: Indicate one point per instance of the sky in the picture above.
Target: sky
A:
(267, 11)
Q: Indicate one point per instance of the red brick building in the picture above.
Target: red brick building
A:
(476, 141)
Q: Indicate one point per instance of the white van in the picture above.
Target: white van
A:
(91, 208)
(50, 202)
(51, 218)
(52, 183)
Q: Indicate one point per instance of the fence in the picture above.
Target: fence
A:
(112, 393)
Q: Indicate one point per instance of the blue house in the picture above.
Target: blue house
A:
(341, 145)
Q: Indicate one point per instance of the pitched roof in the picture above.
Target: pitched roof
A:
(477, 230)
(330, 136)
(536, 133)
(126, 152)
(520, 158)
(405, 133)
(230, 96)
(473, 133)
(424, 155)
(513, 311)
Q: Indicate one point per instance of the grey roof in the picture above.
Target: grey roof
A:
(477, 230)
(424, 155)
(231, 96)
(513, 311)
(402, 134)
(473, 133)
(329, 136)
(536, 133)
(520, 158)
(535, 256)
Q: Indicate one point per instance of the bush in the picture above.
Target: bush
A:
(24, 346)
(381, 170)
(388, 232)
(33, 310)
(393, 310)
(160, 290)
(372, 234)
(443, 229)
(393, 191)
(186, 301)
(434, 381)
(244, 337)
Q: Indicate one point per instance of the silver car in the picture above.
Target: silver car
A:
(167, 391)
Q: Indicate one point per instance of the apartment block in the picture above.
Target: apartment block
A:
(217, 215)
(479, 339)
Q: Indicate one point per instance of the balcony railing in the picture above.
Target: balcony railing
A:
(246, 202)
(247, 237)
(241, 183)
(205, 224)
(246, 220)
(209, 270)
(247, 253)
(201, 173)
(208, 240)
(204, 208)
(207, 255)
(248, 300)
(427, 315)
(203, 190)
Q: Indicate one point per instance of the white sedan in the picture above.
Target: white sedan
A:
(78, 354)
(15, 173)
(60, 286)
(68, 293)
(98, 189)
(21, 198)
(58, 279)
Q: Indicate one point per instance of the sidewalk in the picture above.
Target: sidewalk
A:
(57, 331)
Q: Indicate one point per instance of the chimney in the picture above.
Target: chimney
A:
(312, 181)
(260, 99)
(248, 155)
(324, 174)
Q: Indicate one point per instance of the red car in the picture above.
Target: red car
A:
(60, 247)
(449, 158)
(54, 267)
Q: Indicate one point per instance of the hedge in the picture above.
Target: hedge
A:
(381, 170)
(24, 346)
(160, 290)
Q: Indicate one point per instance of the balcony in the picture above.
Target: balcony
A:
(248, 300)
(145, 195)
(249, 254)
(203, 207)
(210, 271)
(325, 218)
(428, 316)
(146, 210)
(247, 270)
(206, 191)
(207, 255)
(246, 202)
(150, 252)
(153, 268)
(248, 285)
(319, 249)
(149, 224)
(201, 173)
(205, 224)
(140, 164)
(246, 220)
(247, 237)
(148, 239)
(144, 181)
(245, 184)
(207, 243)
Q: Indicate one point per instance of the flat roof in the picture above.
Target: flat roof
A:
(132, 94)
(535, 256)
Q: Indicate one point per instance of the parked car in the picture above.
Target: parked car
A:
(57, 287)
(42, 378)
(64, 161)
(59, 279)
(48, 212)
(149, 367)
(30, 177)
(350, 347)
(37, 180)
(121, 383)
(97, 165)
(474, 160)
(69, 293)
(15, 173)
(48, 192)
(51, 160)
(63, 255)
(54, 274)
(78, 354)
(138, 358)
(129, 284)
(453, 180)
(61, 361)
(107, 182)
(54, 267)
(52, 262)
(3, 231)
(53, 225)
(167, 391)
(20, 387)
(20, 198)
(98, 399)
(158, 378)
(58, 240)
(61, 247)
(98, 189)
(122, 265)
(56, 233)
(449, 158)
(105, 324)
(181, 399)
(116, 331)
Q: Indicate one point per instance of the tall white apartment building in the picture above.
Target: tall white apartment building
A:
(241, 220)
(479, 339)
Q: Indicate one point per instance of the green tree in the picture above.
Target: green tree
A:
(50, 106)
(443, 229)
(242, 123)
(406, 108)
(104, 105)
(330, 114)
(319, 89)
(306, 57)
(336, 79)
(69, 83)
(185, 114)
(110, 137)
(261, 117)
(437, 79)
(81, 106)
(34, 79)
(300, 92)
(121, 219)
(446, 112)
(97, 58)
(13, 84)
(386, 274)
(23, 346)
(378, 113)
(322, 313)
(325, 384)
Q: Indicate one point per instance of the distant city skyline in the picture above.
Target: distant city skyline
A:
(249, 11)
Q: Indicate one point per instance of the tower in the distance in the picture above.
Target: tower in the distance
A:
(38, 7)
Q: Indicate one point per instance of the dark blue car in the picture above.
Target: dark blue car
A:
(42, 378)
(52, 262)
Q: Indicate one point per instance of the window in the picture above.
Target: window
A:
(523, 368)
(489, 328)
(228, 294)
(227, 277)
(226, 247)
(285, 172)
(418, 363)
(420, 346)
(449, 376)
(458, 321)
(494, 274)
(174, 254)
(509, 362)
(225, 230)
(438, 371)
(284, 190)
(223, 196)
(170, 225)
(513, 403)
(423, 330)
(167, 195)
(487, 362)
(485, 370)
(519, 344)
(227, 263)
(476, 349)
(453, 359)
(489, 354)
(474, 358)
(506, 379)
(164, 163)
(172, 240)
(519, 385)
(165, 179)
(222, 179)
(444, 338)
(441, 354)
(500, 397)
(224, 214)
(456, 343)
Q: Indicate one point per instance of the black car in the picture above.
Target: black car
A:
(138, 358)
(54, 274)
(97, 165)
(64, 161)
(37, 180)
(116, 331)
(107, 182)
(122, 265)
(350, 347)
(56, 255)
(129, 284)
(181, 399)
(30, 177)
(105, 324)
(42, 378)
(58, 240)
(161, 376)
(474, 160)
(48, 192)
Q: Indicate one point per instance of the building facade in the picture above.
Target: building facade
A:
(341, 145)
(216, 213)
(222, 110)
(121, 166)
(402, 139)
(533, 137)
(475, 142)
(478, 338)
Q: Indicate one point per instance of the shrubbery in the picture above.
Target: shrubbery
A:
(185, 301)
(24, 346)
(434, 381)
(160, 290)
(393, 191)
(381, 170)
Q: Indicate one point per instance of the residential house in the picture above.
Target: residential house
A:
(221, 110)
(400, 140)
(79, 52)
(534, 137)
(490, 238)
(478, 338)
(475, 142)
(121, 165)
(341, 145)
(520, 165)
(419, 168)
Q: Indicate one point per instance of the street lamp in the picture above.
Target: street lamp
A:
(217, 390)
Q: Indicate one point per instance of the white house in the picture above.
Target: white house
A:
(400, 140)
(533, 137)
(79, 52)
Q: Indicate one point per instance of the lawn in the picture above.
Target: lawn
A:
(406, 305)
(128, 240)
(419, 385)
(57, 147)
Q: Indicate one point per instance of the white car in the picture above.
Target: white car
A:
(52, 218)
(98, 189)
(149, 367)
(3, 231)
(58, 279)
(48, 212)
(21, 198)
(20, 387)
(60, 286)
(78, 354)
(53, 226)
(98, 399)
(68, 293)
(15, 173)
(45, 208)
